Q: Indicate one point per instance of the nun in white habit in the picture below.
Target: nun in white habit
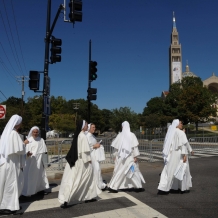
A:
(97, 155)
(126, 171)
(35, 178)
(175, 151)
(77, 183)
(12, 151)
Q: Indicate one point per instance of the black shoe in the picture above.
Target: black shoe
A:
(183, 192)
(92, 200)
(104, 189)
(6, 212)
(64, 205)
(162, 192)
(112, 190)
(46, 193)
(139, 190)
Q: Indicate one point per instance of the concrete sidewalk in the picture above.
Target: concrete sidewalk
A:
(57, 174)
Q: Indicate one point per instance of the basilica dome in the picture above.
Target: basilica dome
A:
(188, 72)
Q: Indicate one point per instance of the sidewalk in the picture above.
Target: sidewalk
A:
(57, 174)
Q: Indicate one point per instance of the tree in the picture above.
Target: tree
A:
(195, 101)
(124, 114)
(170, 107)
(154, 106)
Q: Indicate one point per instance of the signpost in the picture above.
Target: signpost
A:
(2, 111)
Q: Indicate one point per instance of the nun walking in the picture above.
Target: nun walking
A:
(77, 182)
(126, 171)
(12, 151)
(175, 154)
(35, 178)
(97, 155)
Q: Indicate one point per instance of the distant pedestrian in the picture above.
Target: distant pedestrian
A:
(35, 178)
(12, 151)
(126, 171)
(175, 153)
(97, 155)
(77, 182)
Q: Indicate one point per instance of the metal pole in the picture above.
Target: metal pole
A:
(89, 82)
(46, 64)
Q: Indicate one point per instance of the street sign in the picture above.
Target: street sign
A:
(2, 111)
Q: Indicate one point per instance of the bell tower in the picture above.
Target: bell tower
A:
(175, 56)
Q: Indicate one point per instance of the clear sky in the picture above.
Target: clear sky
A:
(130, 42)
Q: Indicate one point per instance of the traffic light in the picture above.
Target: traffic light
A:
(55, 50)
(92, 70)
(92, 94)
(75, 10)
(34, 78)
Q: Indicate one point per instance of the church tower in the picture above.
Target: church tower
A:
(175, 56)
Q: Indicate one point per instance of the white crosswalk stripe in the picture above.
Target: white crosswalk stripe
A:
(198, 153)
(139, 210)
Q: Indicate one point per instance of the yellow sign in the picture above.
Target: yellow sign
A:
(213, 127)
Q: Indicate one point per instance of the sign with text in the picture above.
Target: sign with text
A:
(2, 111)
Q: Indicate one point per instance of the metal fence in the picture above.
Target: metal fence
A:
(150, 150)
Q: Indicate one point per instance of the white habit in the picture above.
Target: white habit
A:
(97, 155)
(178, 149)
(121, 178)
(11, 176)
(77, 182)
(35, 178)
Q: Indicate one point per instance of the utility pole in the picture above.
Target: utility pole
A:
(22, 79)
(76, 107)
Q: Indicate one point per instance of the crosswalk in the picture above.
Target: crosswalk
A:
(107, 205)
(155, 156)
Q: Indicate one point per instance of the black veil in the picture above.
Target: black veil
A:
(72, 154)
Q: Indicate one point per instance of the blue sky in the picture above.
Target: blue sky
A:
(130, 42)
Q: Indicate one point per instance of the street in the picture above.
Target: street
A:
(201, 202)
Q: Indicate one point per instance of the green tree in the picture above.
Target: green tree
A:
(124, 114)
(195, 101)
(170, 107)
(154, 106)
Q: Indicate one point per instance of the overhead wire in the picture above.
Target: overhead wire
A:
(6, 70)
(8, 59)
(16, 58)
(18, 36)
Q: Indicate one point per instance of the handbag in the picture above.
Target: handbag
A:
(180, 171)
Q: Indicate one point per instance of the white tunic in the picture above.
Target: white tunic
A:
(121, 178)
(35, 178)
(96, 156)
(11, 176)
(177, 151)
(77, 182)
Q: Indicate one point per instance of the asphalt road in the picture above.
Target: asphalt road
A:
(201, 202)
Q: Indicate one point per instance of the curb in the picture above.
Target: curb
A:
(58, 176)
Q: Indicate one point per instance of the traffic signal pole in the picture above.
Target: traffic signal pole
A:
(46, 92)
(89, 81)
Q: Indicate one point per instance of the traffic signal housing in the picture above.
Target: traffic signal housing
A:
(34, 78)
(93, 70)
(55, 50)
(92, 94)
(75, 11)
